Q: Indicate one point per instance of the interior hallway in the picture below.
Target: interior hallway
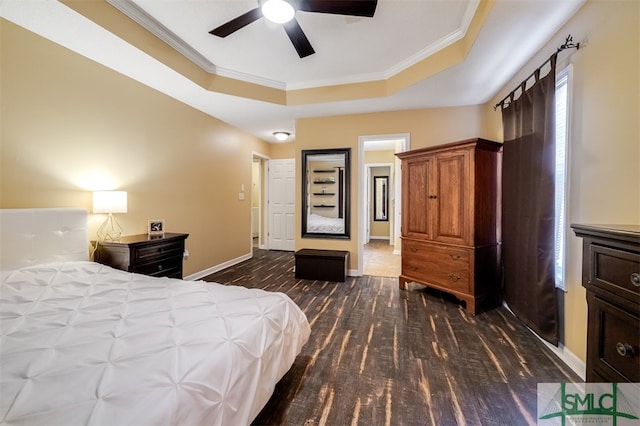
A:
(379, 260)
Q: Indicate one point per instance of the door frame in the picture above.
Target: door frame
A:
(367, 199)
(403, 143)
(264, 201)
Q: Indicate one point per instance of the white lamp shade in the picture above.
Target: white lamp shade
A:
(109, 202)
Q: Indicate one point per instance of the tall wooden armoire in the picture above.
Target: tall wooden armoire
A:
(451, 220)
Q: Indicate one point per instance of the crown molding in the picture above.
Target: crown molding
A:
(140, 16)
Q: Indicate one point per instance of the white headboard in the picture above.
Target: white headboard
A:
(32, 236)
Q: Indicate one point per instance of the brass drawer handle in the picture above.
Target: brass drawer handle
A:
(624, 349)
(414, 250)
(454, 256)
(454, 277)
(635, 279)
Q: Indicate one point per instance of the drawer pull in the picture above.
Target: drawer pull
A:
(624, 349)
(454, 277)
(433, 197)
(455, 256)
(635, 279)
(414, 250)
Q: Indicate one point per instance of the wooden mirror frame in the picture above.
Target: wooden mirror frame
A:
(314, 189)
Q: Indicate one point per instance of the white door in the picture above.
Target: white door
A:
(282, 208)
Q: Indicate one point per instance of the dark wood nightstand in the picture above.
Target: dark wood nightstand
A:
(159, 256)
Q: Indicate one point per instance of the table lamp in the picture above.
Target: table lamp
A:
(109, 202)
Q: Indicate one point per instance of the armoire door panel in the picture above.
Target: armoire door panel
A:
(452, 219)
(417, 221)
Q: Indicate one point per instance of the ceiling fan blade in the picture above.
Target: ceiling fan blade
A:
(339, 7)
(298, 38)
(235, 24)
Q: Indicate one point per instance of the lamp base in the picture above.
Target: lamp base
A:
(110, 230)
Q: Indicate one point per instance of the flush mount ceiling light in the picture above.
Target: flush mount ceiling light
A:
(281, 136)
(278, 11)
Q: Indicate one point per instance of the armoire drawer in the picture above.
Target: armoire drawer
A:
(443, 266)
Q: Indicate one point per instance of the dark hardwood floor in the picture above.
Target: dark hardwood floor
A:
(381, 356)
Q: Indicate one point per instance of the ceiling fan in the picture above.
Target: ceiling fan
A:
(283, 12)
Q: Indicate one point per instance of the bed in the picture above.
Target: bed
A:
(83, 343)
(321, 224)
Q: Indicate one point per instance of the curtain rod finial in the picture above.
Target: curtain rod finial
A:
(569, 44)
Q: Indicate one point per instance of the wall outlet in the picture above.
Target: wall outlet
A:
(185, 255)
(241, 196)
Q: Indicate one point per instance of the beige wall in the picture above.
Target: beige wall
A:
(604, 185)
(281, 151)
(68, 122)
(70, 126)
(427, 127)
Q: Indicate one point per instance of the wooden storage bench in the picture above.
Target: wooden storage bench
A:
(322, 265)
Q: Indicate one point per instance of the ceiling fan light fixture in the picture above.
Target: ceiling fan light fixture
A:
(281, 136)
(278, 11)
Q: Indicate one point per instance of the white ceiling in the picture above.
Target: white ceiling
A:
(348, 50)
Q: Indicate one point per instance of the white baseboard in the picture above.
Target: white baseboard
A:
(216, 268)
(354, 273)
(569, 358)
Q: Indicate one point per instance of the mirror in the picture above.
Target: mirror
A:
(325, 193)
(381, 198)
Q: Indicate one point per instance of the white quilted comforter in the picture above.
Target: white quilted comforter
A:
(82, 343)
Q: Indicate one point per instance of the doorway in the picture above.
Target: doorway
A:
(258, 200)
(380, 245)
(379, 201)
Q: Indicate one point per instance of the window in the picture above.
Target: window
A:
(562, 120)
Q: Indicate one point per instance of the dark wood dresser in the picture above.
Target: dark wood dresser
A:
(611, 275)
(159, 256)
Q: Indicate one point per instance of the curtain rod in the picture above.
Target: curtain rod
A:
(568, 44)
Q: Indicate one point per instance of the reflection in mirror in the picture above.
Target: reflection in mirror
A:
(381, 198)
(325, 193)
